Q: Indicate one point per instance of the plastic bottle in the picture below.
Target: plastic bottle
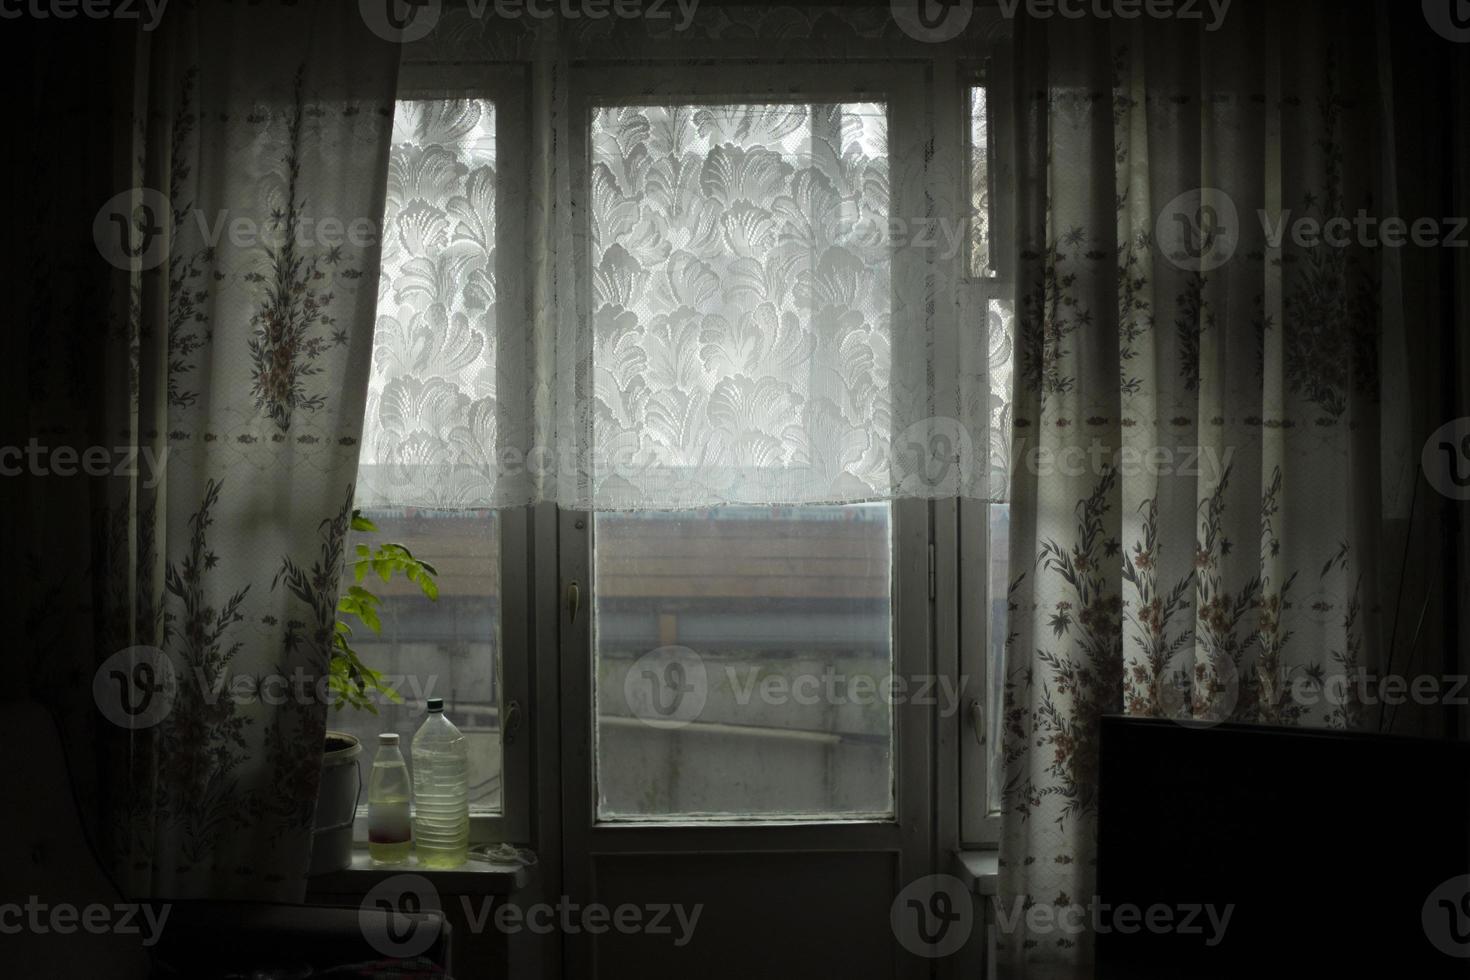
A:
(390, 837)
(441, 791)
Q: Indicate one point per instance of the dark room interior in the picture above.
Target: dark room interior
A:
(650, 489)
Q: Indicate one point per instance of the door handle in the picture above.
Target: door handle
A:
(977, 720)
(574, 601)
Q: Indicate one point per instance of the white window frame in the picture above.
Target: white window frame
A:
(979, 822)
(951, 536)
(907, 834)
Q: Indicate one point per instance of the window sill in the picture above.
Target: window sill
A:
(980, 870)
(474, 877)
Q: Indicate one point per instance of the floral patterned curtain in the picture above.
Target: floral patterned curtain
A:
(223, 403)
(1211, 554)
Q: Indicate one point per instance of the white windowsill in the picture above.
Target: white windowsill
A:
(979, 869)
(474, 877)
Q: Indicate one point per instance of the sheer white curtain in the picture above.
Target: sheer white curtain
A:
(716, 299)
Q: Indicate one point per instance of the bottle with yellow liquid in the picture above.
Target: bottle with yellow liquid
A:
(441, 814)
(390, 833)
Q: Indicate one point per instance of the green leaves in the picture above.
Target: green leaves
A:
(348, 677)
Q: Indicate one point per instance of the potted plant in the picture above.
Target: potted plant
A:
(353, 683)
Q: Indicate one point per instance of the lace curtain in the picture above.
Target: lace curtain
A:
(707, 301)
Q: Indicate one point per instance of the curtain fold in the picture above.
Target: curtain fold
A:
(226, 392)
(1215, 557)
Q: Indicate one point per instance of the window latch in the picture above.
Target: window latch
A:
(512, 722)
(977, 720)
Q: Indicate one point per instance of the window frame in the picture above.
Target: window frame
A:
(980, 817)
(599, 85)
(507, 87)
(950, 537)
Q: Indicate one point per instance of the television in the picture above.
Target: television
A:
(1321, 853)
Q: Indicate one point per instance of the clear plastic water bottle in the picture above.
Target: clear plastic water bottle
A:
(441, 791)
(390, 836)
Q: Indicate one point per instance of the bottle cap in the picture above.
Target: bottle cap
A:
(436, 704)
(388, 738)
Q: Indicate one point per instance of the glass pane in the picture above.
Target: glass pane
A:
(448, 648)
(981, 264)
(743, 663)
(999, 598)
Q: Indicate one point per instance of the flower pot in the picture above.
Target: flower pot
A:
(336, 804)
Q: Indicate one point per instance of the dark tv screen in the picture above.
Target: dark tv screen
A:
(1335, 853)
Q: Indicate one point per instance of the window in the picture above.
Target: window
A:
(450, 648)
(446, 278)
(741, 660)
